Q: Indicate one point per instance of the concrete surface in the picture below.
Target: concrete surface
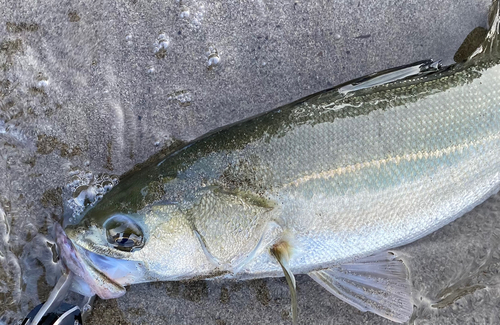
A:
(87, 90)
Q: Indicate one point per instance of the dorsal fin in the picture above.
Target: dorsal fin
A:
(490, 43)
(470, 44)
(492, 39)
(419, 68)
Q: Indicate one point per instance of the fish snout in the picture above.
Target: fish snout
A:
(76, 259)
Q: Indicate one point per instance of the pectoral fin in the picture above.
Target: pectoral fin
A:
(378, 283)
(282, 252)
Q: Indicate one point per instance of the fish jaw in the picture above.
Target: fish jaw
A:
(83, 265)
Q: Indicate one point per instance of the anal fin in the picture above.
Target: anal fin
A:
(378, 283)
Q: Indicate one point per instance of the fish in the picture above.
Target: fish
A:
(328, 186)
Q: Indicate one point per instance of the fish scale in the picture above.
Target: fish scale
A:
(410, 162)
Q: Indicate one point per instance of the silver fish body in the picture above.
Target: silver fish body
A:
(338, 176)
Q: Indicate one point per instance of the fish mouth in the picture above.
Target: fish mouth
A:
(83, 265)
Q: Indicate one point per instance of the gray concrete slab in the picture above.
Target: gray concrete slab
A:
(87, 90)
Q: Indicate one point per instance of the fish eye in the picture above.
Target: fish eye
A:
(123, 233)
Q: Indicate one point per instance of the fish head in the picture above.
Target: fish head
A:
(120, 249)
(102, 255)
